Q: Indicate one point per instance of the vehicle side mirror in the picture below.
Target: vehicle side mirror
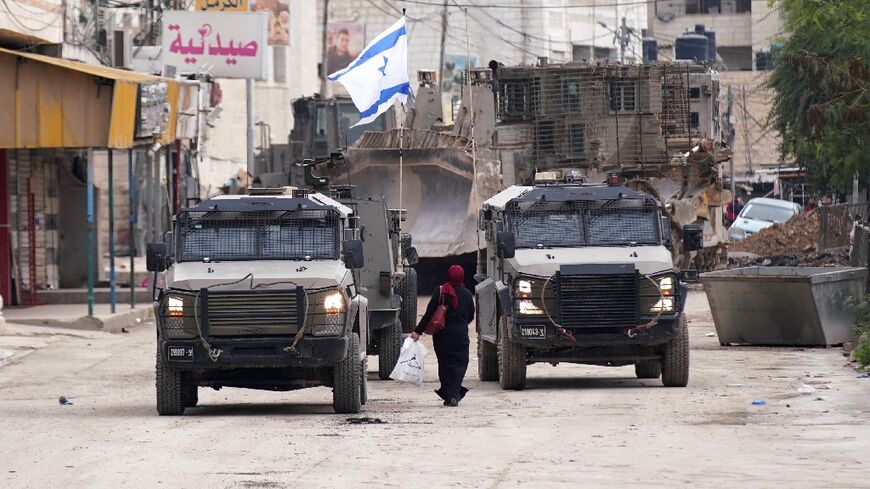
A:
(506, 244)
(353, 254)
(156, 257)
(411, 256)
(666, 230)
(693, 237)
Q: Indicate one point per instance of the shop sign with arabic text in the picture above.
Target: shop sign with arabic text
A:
(226, 44)
(222, 5)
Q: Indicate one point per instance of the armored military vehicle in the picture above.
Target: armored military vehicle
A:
(260, 291)
(582, 274)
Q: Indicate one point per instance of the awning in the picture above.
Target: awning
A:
(58, 103)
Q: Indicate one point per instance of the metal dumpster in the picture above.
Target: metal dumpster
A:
(793, 306)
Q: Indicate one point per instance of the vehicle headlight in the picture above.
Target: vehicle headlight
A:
(175, 306)
(736, 233)
(528, 308)
(666, 285)
(665, 304)
(334, 303)
(524, 289)
(178, 321)
(326, 313)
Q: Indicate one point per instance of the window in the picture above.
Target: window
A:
(702, 7)
(604, 53)
(694, 92)
(581, 52)
(623, 95)
(577, 134)
(514, 98)
(571, 95)
(695, 120)
(546, 137)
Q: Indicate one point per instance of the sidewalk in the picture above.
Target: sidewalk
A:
(74, 316)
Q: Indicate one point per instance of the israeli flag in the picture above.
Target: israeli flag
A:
(379, 75)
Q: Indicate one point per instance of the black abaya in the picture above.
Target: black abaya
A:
(451, 343)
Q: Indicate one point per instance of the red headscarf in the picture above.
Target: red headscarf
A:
(455, 278)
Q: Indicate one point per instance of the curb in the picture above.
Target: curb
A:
(111, 324)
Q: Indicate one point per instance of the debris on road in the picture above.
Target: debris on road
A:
(365, 420)
(806, 389)
(63, 401)
(820, 398)
(710, 335)
(759, 403)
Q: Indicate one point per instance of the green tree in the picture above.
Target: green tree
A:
(820, 77)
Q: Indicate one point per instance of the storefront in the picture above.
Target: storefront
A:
(76, 141)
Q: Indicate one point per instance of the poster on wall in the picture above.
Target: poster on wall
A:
(222, 5)
(279, 19)
(454, 71)
(226, 44)
(344, 42)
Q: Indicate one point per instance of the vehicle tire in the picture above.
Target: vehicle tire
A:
(675, 360)
(170, 389)
(364, 381)
(487, 360)
(346, 388)
(407, 288)
(389, 346)
(648, 369)
(511, 361)
(191, 394)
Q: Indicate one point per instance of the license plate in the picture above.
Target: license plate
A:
(533, 331)
(180, 353)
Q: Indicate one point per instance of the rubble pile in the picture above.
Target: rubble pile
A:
(796, 237)
(831, 258)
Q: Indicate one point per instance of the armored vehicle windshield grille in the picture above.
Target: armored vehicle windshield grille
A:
(219, 236)
(594, 300)
(586, 223)
(253, 313)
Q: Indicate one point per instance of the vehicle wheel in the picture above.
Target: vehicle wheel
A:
(648, 369)
(191, 395)
(675, 360)
(346, 388)
(364, 381)
(511, 361)
(170, 389)
(389, 346)
(407, 288)
(487, 360)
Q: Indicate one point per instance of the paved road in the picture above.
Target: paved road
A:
(575, 426)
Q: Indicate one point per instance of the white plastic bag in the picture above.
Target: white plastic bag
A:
(409, 368)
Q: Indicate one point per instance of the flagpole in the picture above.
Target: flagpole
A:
(401, 156)
(473, 143)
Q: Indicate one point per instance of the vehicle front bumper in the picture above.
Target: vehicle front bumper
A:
(311, 352)
(664, 331)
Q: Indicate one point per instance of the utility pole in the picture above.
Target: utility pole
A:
(443, 43)
(323, 68)
(623, 40)
(746, 130)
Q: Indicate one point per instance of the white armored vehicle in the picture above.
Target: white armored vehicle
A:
(582, 274)
(259, 291)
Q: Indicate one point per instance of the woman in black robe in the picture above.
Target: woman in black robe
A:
(451, 343)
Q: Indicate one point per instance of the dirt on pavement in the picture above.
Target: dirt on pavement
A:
(574, 426)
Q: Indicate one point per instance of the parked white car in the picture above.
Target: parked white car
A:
(760, 213)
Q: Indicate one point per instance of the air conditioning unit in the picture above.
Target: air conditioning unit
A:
(121, 49)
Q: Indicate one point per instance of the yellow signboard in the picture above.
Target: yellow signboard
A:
(222, 5)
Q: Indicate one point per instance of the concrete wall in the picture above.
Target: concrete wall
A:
(761, 141)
